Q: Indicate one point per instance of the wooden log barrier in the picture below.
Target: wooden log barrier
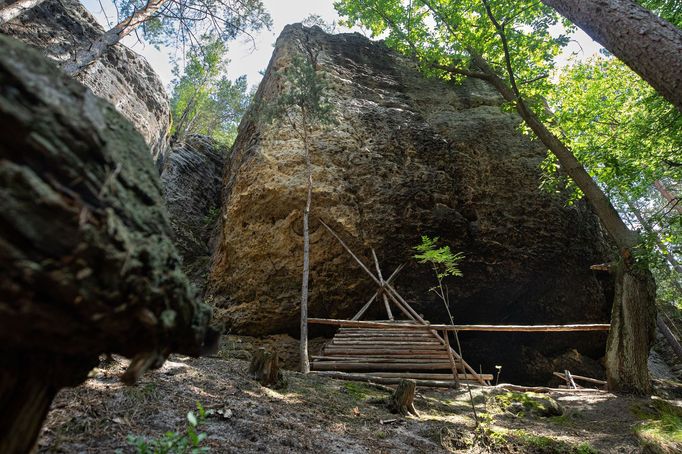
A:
(492, 328)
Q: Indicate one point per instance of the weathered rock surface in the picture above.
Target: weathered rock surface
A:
(408, 157)
(87, 265)
(122, 77)
(191, 178)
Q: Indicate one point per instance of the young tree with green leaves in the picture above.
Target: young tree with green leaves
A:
(507, 44)
(174, 23)
(204, 100)
(301, 106)
(444, 264)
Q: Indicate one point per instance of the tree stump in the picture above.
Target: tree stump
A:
(402, 400)
(264, 367)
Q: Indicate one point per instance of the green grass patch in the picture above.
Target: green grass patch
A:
(661, 429)
(357, 390)
(547, 445)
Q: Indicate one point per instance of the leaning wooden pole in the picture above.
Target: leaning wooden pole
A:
(455, 373)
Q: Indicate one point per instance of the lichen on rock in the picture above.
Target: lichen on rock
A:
(121, 76)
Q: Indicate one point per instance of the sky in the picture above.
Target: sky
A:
(249, 60)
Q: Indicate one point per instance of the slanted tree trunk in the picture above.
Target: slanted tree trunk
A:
(667, 195)
(264, 367)
(10, 10)
(86, 261)
(402, 400)
(649, 45)
(305, 361)
(632, 323)
(90, 52)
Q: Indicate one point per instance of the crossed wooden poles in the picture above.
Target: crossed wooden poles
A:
(387, 292)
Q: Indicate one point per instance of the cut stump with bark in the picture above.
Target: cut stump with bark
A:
(402, 400)
(264, 367)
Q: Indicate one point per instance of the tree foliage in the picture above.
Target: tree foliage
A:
(443, 34)
(204, 100)
(622, 131)
(303, 101)
(445, 263)
(181, 23)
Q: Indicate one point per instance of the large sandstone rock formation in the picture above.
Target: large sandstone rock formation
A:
(408, 156)
(122, 77)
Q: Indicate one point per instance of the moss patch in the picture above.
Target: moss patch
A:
(528, 403)
(661, 430)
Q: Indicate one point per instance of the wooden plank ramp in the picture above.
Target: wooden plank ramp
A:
(391, 353)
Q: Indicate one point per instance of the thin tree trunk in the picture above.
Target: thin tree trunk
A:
(17, 8)
(86, 55)
(667, 195)
(305, 362)
(661, 246)
(633, 314)
(649, 45)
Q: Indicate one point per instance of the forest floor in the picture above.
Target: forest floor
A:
(316, 414)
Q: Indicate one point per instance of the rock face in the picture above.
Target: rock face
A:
(407, 157)
(121, 77)
(191, 179)
(87, 264)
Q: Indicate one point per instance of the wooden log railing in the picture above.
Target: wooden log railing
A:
(492, 328)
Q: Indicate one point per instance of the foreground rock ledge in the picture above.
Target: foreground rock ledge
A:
(86, 263)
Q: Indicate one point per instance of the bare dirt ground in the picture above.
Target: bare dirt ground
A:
(315, 414)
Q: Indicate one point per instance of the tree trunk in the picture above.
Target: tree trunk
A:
(632, 331)
(86, 261)
(633, 313)
(305, 361)
(667, 195)
(402, 400)
(89, 53)
(669, 336)
(661, 246)
(264, 367)
(649, 45)
(17, 8)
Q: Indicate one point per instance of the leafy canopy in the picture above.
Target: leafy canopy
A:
(624, 133)
(180, 23)
(444, 34)
(304, 94)
(204, 100)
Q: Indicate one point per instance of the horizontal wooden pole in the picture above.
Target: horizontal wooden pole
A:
(502, 328)
(378, 359)
(367, 365)
(370, 352)
(580, 377)
(423, 376)
(383, 380)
